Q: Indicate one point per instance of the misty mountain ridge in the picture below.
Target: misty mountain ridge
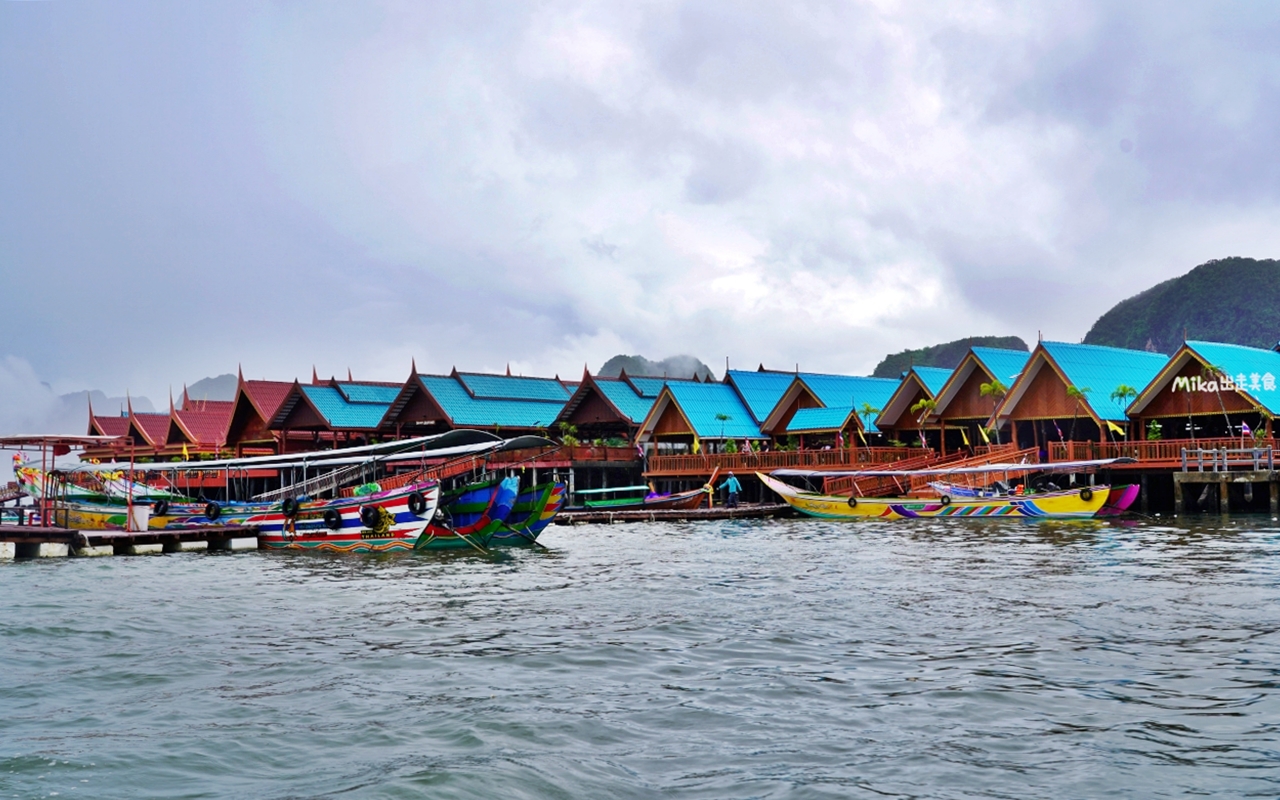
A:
(1230, 300)
(671, 367)
(222, 387)
(945, 355)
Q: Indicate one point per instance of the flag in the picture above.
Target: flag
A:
(697, 444)
(964, 435)
(840, 440)
(863, 438)
(185, 456)
(985, 437)
(1115, 428)
(640, 450)
(1061, 438)
(1244, 429)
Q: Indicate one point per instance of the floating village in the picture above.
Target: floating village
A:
(473, 461)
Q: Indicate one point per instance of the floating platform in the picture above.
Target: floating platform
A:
(32, 541)
(606, 517)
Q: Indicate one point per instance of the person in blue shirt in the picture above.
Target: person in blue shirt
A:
(731, 483)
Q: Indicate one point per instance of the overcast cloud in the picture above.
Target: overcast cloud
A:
(188, 186)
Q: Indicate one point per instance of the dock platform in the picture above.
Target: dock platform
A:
(32, 541)
(606, 517)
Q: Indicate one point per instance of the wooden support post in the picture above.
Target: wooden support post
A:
(1178, 491)
(1143, 499)
(1275, 496)
(1223, 506)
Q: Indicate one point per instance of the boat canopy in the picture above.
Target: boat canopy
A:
(454, 442)
(613, 489)
(1056, 466)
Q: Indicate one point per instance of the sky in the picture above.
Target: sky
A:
(190, 187)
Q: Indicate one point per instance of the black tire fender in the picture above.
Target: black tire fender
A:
(853, 502)
(289, 507)
(333, 519)
(945, 500)
(1086, 494)
(417, 504)
(160, 508)
(212, 511)
(369, 517)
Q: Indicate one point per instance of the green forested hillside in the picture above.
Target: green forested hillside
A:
(1235, 300)
(942, 355)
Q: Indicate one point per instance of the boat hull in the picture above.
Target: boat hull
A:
(395, 525)
(1050, 505)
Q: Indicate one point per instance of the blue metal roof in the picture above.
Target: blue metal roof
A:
(933, 378)
(1005, 365)
(851, 390)
(1254, 371)
(701, 402)
(649, 387)
(1097, 371)
(819, 419)
(635, 407)
(761, 390)
(463, 409)
(510, 387)
(341, 414)
(367, 393)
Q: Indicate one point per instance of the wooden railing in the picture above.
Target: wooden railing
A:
(578, 452)
(706, 463)
(878, 486)
(1159, 453)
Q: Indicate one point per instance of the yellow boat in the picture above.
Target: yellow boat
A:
(1081, 503)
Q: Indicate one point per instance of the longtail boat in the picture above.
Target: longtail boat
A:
(1082, 503)
(533, 512)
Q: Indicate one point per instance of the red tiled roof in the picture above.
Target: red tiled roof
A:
(207, 427)
(267, 395)
(155, 427)
(112, 425)
(223, 406)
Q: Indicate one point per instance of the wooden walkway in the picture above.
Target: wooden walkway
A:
(19, 541)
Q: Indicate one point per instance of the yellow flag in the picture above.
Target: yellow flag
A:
(185, 457)
(965, 436)
(983, 431)
(697, 444)
(1115, 428)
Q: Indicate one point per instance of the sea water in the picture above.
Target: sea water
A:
(774, 659)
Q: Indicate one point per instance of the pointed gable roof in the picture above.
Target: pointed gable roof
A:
(114, 425)
(699, 404)
(1093, 369)
(917, 382)
(760, 389)
(991, 364)
(149, 428)
(1252, 374)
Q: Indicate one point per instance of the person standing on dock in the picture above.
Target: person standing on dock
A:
(731, 483)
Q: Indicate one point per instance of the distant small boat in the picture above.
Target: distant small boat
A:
(642, 498)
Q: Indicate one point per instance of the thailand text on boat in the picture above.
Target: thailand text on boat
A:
(1076, 503)
(360, 515)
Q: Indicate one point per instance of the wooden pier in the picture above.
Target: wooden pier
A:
(29, 541)
(607, 517)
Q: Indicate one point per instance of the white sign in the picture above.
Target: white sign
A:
(1253, 382)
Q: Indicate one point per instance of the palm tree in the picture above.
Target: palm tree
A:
(1215, 373)
(996, 391)
(723, 417)
(868, 412)
(923, 408)
(1079, 395)
(1122, 396)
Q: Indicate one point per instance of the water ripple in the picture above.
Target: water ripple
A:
(775, 659)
